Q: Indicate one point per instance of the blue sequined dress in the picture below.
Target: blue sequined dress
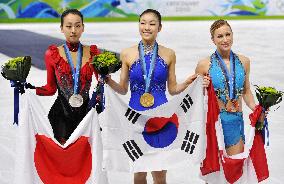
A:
(232, 122)
(157, 84)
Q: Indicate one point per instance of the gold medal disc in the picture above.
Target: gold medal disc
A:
(147, 100)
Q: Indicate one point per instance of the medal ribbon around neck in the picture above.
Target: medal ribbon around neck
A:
(148, 76)
(75, 72)
(229, 76)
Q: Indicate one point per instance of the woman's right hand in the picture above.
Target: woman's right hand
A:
(191, 78)
(206, 81)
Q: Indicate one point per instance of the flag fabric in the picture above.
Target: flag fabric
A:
(40, 158)
(157, 139)
(244, 168)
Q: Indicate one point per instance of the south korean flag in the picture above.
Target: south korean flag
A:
(157, 139)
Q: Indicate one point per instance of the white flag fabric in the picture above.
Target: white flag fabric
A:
(157, 139)
(248, 167)
(41, 159)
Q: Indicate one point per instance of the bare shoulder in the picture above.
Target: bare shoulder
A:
(166, 51)
(129, 55)
(128, 50)
(244, 60)
(203, 66)
(167, 54)
(204, 61)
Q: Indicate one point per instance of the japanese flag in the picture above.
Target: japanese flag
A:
(41, 159)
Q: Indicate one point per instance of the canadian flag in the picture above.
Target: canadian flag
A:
(247, 167)
(41, 159)
(168, 136)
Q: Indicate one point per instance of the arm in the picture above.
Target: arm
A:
(202, 69)
(50, 88)
(173, 86)
(247, 94)
(122, 86)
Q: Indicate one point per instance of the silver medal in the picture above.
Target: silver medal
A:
(76, 100)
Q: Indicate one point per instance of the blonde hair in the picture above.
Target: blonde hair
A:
(217, 24)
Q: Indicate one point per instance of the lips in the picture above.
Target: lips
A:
(225, 45)
(147, 33)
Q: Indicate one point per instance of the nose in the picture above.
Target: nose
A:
(147, 27)
(73, 29)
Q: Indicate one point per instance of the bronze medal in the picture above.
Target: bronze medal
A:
(232, 105)
(147, 100)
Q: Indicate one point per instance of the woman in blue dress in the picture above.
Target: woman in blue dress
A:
(148, 66)
(229, 73)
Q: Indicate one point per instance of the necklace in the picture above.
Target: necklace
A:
(148, 48)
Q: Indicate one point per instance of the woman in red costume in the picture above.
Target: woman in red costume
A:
(70, 73)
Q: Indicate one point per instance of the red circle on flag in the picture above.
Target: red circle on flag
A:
(70, 165)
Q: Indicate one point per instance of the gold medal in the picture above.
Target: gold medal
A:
(147, 100)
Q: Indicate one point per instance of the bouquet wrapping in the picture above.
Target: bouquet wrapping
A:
(105, 63)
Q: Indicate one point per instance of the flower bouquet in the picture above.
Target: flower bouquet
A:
(17, 69)
(105, 63)
(267, 97)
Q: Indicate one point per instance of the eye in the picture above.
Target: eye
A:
(152, 24)
(78, 26)
(142, 23)
(68, 27)
(219, 36)
(228, 34)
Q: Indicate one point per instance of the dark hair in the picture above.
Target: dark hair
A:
(155, 12)
(72, 11)
(217, 24)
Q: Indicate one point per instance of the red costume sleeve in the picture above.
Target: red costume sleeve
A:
(50, 88)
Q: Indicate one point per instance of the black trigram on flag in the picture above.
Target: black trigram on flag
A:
(186, 103)
(131, 115)
(132, 150)
(189, 142)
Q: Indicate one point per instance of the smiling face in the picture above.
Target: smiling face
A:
(222, 37)
(72, 27)
(149, 26)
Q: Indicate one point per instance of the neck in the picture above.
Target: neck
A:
(73, 47)
(225, 54)
(148, 46)
(148, 43)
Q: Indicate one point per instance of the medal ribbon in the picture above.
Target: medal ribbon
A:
(148, 76)
(75, 72)
(229, 76)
